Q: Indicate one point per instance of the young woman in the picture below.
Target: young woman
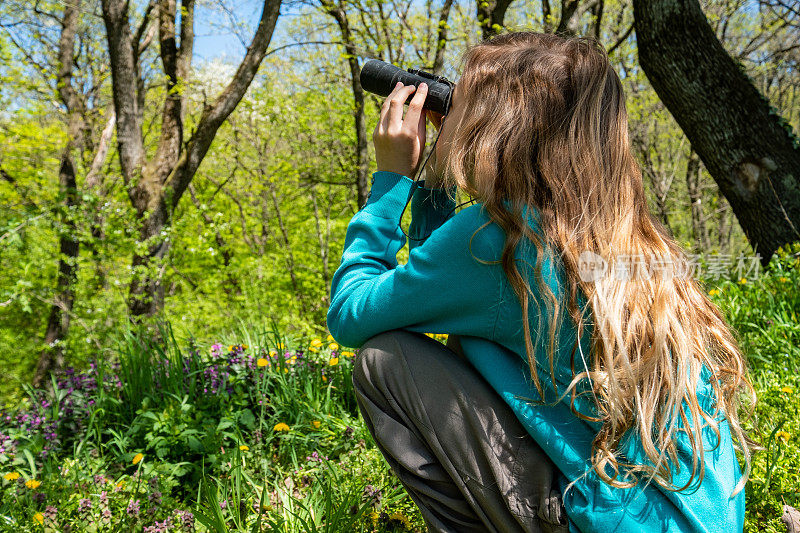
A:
(588, 383)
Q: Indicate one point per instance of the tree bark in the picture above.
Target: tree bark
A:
(754, 159)
(597, 11)
(155, 187)
(571, 13)
(441, 37)
(52, 356)
(490, 15)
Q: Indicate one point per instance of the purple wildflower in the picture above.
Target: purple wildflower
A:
(155, 498)
(187, 520)
(50, 513)
(133, 508)
(160, 527)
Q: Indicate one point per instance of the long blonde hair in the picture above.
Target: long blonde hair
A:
(546, 126)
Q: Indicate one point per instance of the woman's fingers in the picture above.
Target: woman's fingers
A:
(385, 106)
(414, 119)
(394, 117)
(391, 120)
(399, 141)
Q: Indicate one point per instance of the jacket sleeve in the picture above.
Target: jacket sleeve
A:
(441, 289)
(430, 208)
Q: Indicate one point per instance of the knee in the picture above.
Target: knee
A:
(377, 357)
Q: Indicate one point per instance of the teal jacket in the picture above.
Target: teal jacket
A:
(443, 288)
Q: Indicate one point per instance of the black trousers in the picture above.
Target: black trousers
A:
(455, 445)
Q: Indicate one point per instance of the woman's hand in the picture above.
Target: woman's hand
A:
(400, 142)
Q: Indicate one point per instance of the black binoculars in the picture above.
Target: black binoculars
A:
(380, 77)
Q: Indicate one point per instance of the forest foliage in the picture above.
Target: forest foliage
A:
(260, 230)
(256, 238)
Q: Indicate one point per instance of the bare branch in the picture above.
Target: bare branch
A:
(213, 116)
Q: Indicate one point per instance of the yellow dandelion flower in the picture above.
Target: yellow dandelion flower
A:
(273, 353)
(281, 426)
(244, 448)
(347, 354)
(316, 423)
(783, 279)
(32, 484)
(334, 361)
(136, 458)
(262, 362)
(784, 436)
(329, 338)
(244, 346)
(787, 390)
(333, 346)
(120, 483)
(38, 518)
(742, 280)
(285, 370)
(316, 343)
(713, 292)
(230, 348)
(11, 476)
(400, 517)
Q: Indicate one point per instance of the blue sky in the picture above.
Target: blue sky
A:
(215, 39)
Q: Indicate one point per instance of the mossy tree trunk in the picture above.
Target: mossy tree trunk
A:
(746, 146)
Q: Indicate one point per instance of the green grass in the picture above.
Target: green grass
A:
(262, 433)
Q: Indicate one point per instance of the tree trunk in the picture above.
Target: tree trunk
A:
(754, 159)
(52, 356)
(571, 13)
(695, 200)
(155, 187)
(490, 15)
(441, 37)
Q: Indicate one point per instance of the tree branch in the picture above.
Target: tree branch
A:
(214, 115)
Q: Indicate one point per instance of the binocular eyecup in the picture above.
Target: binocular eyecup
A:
(380, 77)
